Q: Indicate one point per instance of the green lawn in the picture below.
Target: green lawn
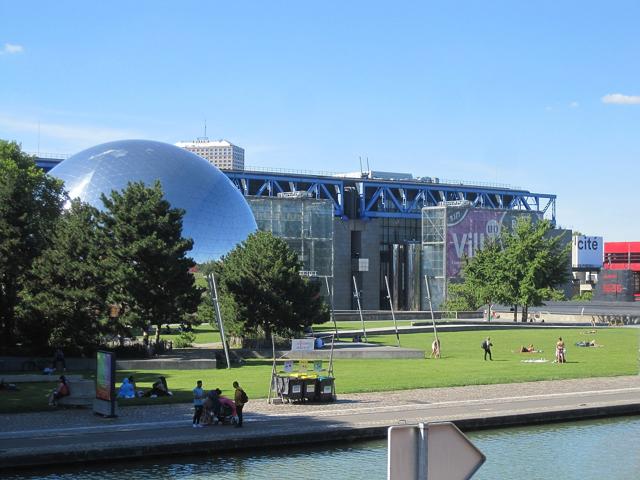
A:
(462, 364)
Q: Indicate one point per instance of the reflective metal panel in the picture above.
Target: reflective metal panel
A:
(413, 279)
(306, 224)
(217, 216)
(397, 276)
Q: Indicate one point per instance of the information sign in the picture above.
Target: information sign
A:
(302, 344)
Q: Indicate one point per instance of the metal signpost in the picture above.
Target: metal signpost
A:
(330, 292)
(393, 315)
(432, 451)
(357, 295)
(211, 279)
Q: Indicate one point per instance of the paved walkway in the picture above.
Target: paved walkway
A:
(62, 436)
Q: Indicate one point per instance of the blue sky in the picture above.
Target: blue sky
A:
(543, 95)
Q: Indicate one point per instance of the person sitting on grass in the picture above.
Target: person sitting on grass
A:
(159, 389)
(529, 349)
(132, 382)
(62, 390)
(435, 349)
(126, 389)
(7, 386)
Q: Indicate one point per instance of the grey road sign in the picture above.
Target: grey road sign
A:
(432, 451)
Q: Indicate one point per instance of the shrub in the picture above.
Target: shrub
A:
(184, 340)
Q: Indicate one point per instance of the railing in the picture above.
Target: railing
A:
(418, 180)
(49, 155)
(314, 173)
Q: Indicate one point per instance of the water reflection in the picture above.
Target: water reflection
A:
(569, 451)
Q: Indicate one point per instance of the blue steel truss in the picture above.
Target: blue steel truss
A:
(374, 198)
(390, 198)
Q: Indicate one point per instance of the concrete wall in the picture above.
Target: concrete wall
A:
(371, 234)
(345, 255)
(37, 364)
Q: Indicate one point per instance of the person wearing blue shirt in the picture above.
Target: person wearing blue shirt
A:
(126, 389)
(198, 401)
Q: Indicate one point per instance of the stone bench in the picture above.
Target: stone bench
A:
(82, 394)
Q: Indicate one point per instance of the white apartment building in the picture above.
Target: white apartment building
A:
(223, 154)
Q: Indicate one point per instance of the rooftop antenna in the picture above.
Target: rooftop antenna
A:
(368, 167)
(205, 128)
(360, 158)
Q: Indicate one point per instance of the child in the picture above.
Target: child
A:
(198, 402)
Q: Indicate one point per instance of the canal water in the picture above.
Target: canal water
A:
(603, 449)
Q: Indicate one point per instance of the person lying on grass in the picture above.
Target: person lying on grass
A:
(529, 349)
(591, 343)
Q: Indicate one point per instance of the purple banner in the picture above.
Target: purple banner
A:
(468, 229)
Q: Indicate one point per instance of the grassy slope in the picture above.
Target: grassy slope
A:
(462, 364)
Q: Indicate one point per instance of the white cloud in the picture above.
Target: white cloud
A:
(574, 105)
(72, 135)
(11, 49)
(620, 99)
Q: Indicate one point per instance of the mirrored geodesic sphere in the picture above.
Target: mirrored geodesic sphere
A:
(217, 216)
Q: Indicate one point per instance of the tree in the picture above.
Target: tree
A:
(147, 264)
(536, 263)
(483, 281)
(523, 267)
(68, 295)
(30, 204)
(260, 277)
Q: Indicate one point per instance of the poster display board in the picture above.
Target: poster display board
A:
(302, 344)
(288, 366)
(105, 403)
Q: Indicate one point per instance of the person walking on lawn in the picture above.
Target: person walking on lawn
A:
(486, 346)
(240, 398)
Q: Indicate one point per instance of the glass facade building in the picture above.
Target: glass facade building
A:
(454, 232)
(217, 216)
(306, 224)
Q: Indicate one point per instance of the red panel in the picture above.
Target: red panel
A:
(623, 266)
(621, 247)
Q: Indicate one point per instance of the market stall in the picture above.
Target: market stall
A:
(302, 380)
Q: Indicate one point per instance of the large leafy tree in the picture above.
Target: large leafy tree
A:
(261, 279)
(147, 266)
(483, 280)
(68, 293)
(30, 204)
(536, 263)
(523, 267)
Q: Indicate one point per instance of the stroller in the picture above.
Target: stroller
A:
(219, 409)
(227, 412)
